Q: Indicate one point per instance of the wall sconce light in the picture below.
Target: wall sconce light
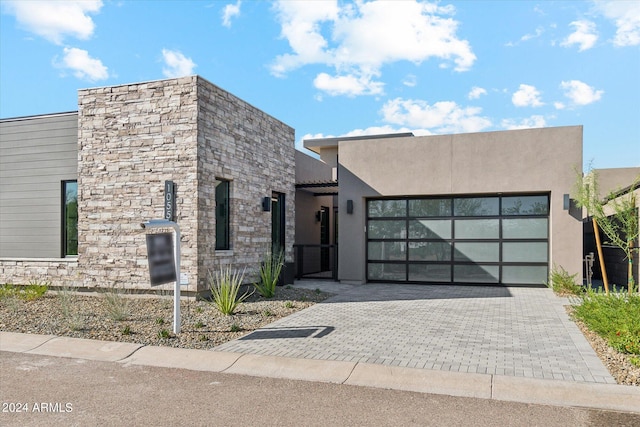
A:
(566, 202)
(318, 216)
(266, 204)
(350, 207)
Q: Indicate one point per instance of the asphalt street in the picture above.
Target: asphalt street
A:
(55, 391)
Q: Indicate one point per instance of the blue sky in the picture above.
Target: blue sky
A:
(334, 68)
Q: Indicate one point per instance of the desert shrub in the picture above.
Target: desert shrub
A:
(563, 283)
(270, 269)
(615, 317)
(117, 304)
(225, 287)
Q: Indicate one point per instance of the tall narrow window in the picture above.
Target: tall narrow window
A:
(222, 214)
(69, 218)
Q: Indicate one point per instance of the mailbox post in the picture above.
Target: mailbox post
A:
(163, 223)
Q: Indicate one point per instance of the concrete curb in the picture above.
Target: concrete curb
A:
(514, 389)
(421, 380)
(20, 343)
(181, 358)
(293, 369)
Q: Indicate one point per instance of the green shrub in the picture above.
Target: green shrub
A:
(235, 328)
(270, 269)
(126, 330)
(289, 304)
(30, 292)
(615, 317)
(35, 290)
(563, 283)
(163, 333)
(224, 290)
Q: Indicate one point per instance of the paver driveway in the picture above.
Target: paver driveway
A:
(513, 331)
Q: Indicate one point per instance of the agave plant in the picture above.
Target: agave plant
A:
(269, 274)
(225, 286)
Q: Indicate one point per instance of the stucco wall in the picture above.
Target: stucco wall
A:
(530, 160)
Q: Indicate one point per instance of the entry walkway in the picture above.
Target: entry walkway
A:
(520, 332)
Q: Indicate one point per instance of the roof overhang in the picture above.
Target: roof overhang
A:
(318, 188)
(318, 144)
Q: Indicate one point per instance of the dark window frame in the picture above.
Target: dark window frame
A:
(69, 248)
(223, 214)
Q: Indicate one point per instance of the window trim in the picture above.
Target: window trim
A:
(227, 214)
(64, 244)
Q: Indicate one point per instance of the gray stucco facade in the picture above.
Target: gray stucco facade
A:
(531, 161)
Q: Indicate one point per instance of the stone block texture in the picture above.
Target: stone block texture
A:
(132, 138)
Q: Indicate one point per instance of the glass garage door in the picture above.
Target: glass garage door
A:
(502, 239)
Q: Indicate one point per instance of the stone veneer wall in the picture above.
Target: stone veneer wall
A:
(22, 271)
(131, 139)
(256, 152)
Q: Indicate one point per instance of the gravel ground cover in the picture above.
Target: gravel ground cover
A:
(149, 321)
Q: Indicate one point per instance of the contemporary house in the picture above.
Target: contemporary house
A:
(76, 186)
(479, 208)
(489, 208)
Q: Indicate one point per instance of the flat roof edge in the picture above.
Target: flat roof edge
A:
(310, 144)
(38, 116)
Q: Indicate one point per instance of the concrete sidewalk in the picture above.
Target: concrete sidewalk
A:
(487, 386)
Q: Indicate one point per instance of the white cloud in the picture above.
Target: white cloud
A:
(585, 35)
(476, 92)
(441, 117)
(410, 80)
(527, 123)
(230, 11)
(526, 96)
(626, 17)
(357, 39)
(580, 93)
(82, 65)
(177, 65)
(349, 85)
(559, 105)
(53, 20)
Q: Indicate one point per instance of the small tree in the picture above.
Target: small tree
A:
(621, 226)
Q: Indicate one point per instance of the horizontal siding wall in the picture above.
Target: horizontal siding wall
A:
(36, 155)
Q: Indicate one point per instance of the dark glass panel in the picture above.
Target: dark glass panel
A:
(387, 272)
(222, 215)
(525, 205)
(387, 251)
(429, 251)
(430, 273)
(430, 229)
(476, 273)
(387, 208)
(430, 207)
(70, 225)
(387, 229)
(476, 206)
